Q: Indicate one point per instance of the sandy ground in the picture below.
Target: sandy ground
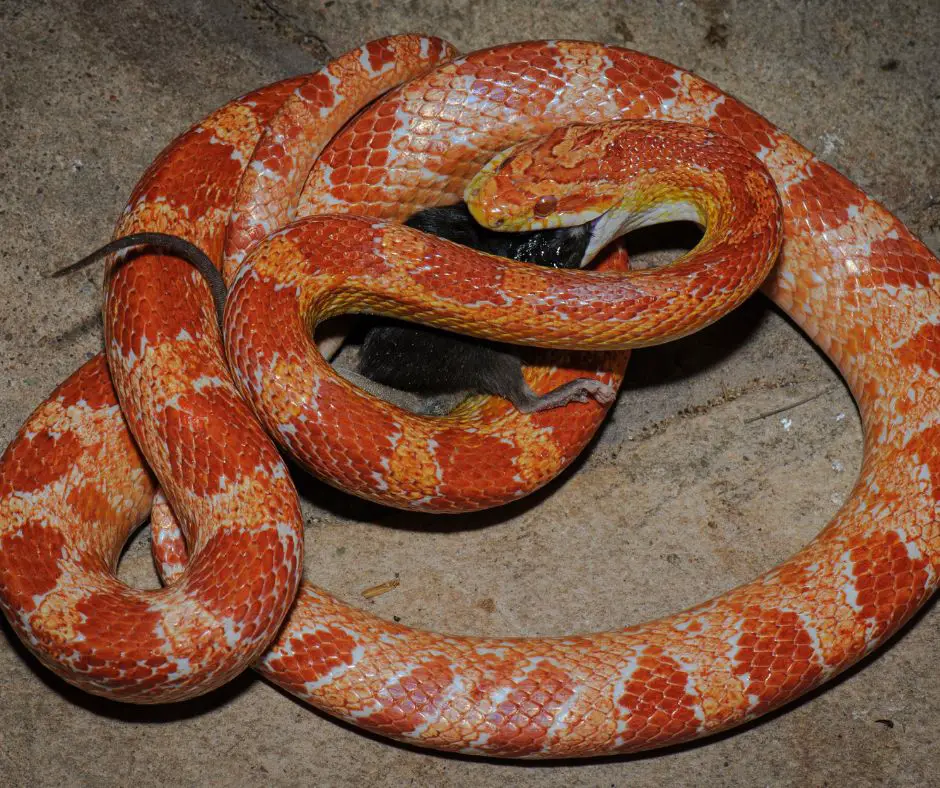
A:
(691, 488)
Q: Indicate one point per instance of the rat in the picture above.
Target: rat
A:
(423, 369)
(441, 368)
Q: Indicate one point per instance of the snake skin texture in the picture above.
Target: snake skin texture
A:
(73, 485)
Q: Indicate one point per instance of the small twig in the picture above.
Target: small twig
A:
(791, 406)
(381, 588)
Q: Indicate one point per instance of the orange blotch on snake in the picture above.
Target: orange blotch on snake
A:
(29, 564)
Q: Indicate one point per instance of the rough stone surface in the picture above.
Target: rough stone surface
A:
(699, 481)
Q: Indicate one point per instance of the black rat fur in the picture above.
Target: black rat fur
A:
(432, 362)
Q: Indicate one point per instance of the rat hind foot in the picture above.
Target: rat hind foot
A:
(578, 390)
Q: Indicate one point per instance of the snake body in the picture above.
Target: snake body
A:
(73, 485)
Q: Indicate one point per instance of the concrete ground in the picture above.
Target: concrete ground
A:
(697, 483)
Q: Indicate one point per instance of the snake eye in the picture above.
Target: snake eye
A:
(545, 205)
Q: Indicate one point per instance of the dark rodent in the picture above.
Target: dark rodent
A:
(419, 359)
(431, 362)
(560, 248)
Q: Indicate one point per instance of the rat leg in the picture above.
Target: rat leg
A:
(578, 390)
(502, 376)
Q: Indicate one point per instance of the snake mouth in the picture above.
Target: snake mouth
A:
(561, 247)
(578, 245)
(557, 247)
(617, 222)
(571, 247)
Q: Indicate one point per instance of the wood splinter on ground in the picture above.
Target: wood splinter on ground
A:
(381, 588)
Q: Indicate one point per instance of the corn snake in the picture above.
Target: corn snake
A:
(541, 714)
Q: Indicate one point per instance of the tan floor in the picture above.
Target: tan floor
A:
(690, 489)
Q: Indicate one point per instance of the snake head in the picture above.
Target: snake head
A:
(560, 180)
(606, 179)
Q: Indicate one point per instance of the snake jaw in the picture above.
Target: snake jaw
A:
(619, 221)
